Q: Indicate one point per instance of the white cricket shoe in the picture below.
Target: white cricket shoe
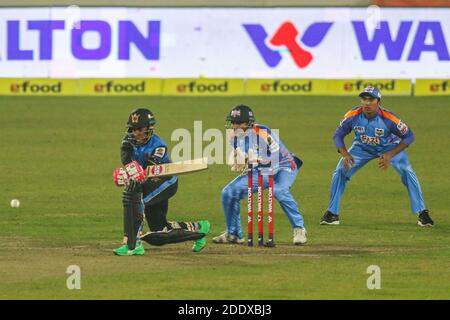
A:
(228, 238)
(299, 236)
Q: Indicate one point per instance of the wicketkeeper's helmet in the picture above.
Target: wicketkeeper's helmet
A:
(241, 114)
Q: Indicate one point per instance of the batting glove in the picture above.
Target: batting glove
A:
(136, 172)
(120, 177)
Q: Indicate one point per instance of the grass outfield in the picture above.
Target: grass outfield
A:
(57, 156)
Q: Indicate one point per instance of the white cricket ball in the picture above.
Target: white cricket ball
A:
(15, 203)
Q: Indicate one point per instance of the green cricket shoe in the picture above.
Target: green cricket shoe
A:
(120, 251)
(199, 244)
(124, 251)
(139, 250)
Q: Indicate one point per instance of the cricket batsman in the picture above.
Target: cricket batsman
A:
(252, 142)
(140, 148)
(379, 133)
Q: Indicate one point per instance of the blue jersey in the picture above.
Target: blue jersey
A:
(154, 151)
(373, 134)
(265, 145)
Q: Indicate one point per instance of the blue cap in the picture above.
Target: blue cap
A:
(371, 92)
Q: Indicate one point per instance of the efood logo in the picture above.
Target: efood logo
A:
(193, 86)
(279, 86)
(114, 87)
(440, 87)
(287, 35)
(358, 85)
(29, 87)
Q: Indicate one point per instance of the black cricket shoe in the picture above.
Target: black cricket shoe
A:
(329, 218)
(425, 219)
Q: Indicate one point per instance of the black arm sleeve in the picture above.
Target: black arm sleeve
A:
(126, 150)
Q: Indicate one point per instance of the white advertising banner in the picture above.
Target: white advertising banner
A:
(336, 43)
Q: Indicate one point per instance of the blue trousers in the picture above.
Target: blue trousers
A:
(237, 190)
(399, 162)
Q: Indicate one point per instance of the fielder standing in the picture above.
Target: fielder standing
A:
(259, 142)
(378, 134)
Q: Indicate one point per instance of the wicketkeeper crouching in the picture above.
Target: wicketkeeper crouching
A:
(248, 138)
(150, 197)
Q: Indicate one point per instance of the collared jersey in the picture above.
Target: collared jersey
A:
(383, 130)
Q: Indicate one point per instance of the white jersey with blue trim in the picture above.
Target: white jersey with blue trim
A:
(155, 151)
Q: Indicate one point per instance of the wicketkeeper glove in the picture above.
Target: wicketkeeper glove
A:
(263, 163)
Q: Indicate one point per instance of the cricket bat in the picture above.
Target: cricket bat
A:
(177, 168)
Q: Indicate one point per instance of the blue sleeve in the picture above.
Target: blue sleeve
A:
(410, 139)
(160, 153)
(401, 130)
(341, 131)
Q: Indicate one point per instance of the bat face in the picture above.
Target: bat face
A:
(176, 168)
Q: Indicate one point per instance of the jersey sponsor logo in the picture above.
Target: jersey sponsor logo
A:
(359, 129)
(371, 141)
(379, 132)
(403, 128)
(160, 152)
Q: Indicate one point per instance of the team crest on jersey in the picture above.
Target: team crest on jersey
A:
(403, 128)
(135, 118)
(379, 132)
(359, 129)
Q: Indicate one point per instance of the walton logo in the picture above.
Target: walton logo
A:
(286, 35)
